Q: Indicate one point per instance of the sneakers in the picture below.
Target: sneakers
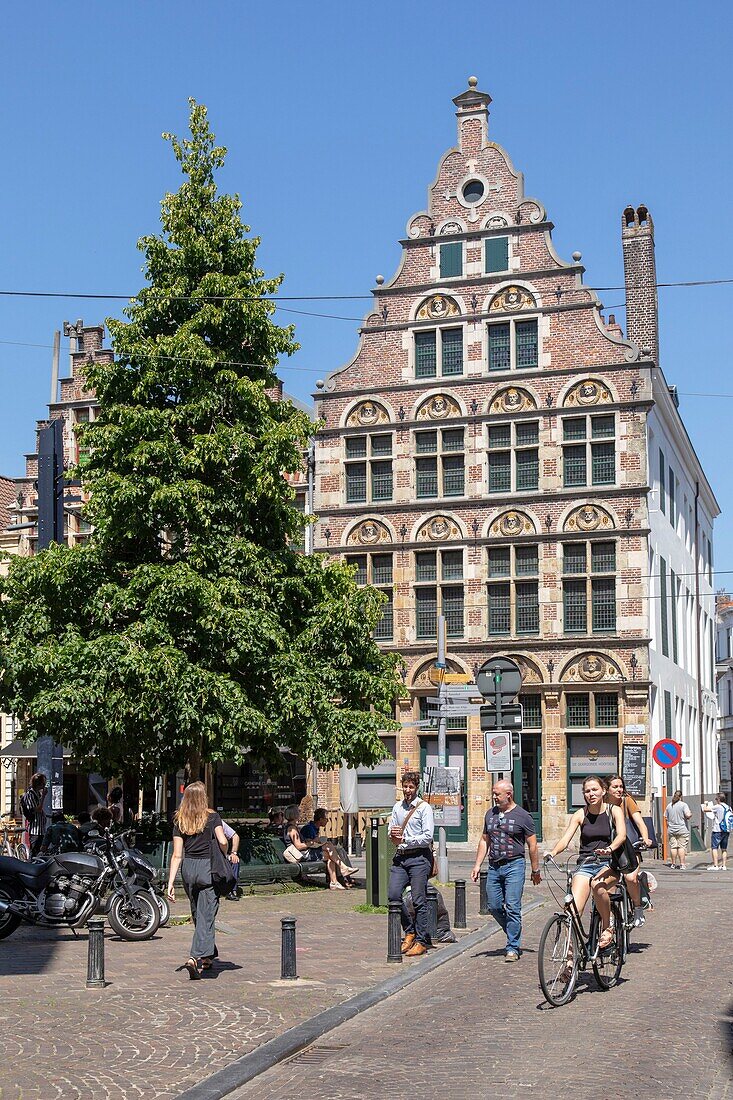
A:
(712, 867)
(511, 956)
(639, 918)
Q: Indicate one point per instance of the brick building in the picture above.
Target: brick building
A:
(486, 455)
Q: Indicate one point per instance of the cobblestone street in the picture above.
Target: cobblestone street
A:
(478, 1027)
(152, 1033)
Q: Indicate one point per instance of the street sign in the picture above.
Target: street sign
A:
(499, 675)
(498, 751)
(510, 717)
(667, 753)
(439, 676)
(452, 701)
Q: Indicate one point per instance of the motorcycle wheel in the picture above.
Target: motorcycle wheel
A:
(8, 921)
(165, 909)
(134, 920)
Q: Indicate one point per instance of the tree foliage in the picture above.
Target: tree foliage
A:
(189, 627)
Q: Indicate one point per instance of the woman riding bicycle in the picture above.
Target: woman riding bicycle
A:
(617, 796)
(597, 823)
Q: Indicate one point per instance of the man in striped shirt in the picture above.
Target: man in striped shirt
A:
(31, 805)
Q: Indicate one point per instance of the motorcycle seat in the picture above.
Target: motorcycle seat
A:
(23, 869)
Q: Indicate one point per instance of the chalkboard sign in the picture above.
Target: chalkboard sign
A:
(633, 769)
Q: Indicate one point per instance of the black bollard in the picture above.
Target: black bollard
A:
(288, 968)
(432, 913)
(460, 917)
(394, 932)
(483, 897)
(95, 956)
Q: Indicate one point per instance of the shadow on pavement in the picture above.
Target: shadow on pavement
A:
(34, 950)
(726, 1032)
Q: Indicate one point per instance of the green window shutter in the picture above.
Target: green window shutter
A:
(451, 260)
(497, 254)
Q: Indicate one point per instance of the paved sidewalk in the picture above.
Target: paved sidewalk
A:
(152, 1032)
(479, 1028)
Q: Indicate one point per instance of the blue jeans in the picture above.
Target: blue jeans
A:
(412, 871)
(504, 888)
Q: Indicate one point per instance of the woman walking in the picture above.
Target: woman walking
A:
(196, 828)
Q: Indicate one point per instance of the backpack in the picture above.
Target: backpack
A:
(726, 822)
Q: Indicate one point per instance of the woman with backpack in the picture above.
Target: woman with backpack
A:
(196, 829)
(636, 830)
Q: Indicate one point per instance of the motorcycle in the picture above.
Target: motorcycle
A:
(64, 890)
(142, 874)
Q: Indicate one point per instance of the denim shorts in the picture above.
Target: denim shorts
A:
(591, 867)
(719, 840)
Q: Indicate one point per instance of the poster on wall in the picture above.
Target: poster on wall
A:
(633, 769)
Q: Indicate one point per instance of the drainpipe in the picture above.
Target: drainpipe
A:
(698, 661)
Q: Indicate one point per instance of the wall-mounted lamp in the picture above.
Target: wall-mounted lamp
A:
(401, 412)
(549, 400)
(628, 517)
(634, 388)
(473, 406)
(403, 672)
(633, 665)
(550, 667)
(548, 522)
(474, 302)
(475, 527)
(403, 535)
(559, 293)
(385, 314)
(327, 536)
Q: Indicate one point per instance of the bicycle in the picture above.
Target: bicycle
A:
(565, 949)
(622, 898)
(12, 843)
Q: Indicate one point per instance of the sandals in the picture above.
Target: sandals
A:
(193, 971)
(605, 939)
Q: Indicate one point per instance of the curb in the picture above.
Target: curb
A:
(249, 1066)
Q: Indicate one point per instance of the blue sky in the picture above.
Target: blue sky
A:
(335, 116)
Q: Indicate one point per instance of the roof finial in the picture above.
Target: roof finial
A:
(472, 81)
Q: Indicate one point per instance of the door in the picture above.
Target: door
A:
(528, 779)
(456, 758)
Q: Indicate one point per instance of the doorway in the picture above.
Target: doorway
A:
(529, 781)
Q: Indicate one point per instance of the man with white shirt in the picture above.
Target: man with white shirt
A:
(411, 829)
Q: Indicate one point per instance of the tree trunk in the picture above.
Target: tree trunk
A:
(193, 764)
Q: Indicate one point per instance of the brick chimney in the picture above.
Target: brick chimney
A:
(473, 118)
(640, 273)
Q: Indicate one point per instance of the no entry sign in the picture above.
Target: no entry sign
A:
(667, 753)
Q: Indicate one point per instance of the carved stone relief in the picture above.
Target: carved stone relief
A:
(496, 221)
(587, 518)
(512, 298)
(513, 400)
(438, 408)
(438, 307)
(592, 668)
(451, 227)
(530, 672)
(589, 392)
(369, 533)
(438, 529)
(367, 413)
(511, 524)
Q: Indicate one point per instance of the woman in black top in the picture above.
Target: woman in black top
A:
(597, 823)
(195, 829)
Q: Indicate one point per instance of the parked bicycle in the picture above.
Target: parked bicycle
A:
(565, 948)
(12, 843)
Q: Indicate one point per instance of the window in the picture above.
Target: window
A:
(662, 491)
(587, 584)
(496, 254)
(368, 468)
(376, 569)
(451, 260)
(514, 457)
(457, 723)
(590, 753)
(588, 444)
(440, 345)
(672, 504)
(663, 610)
(82, 416)
(668, 714)
(437, 594)
(674, 589)
(513, 345)
(439, 465)
(513, 599)
(532, 707)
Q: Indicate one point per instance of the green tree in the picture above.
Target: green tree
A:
(188, 627)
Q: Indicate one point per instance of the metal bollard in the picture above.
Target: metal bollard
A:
(432, 894)
(483, 897)
(95, 955)
(394, 932)
(288, 968)
(460, 916)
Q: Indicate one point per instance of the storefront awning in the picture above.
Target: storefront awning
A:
(18, 750)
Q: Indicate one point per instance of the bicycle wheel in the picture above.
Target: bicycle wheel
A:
(557, 960)
(607, 964)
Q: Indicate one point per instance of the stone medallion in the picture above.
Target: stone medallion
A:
(439, 529)
(512, 400)
(592, 668)
(369, 533)
(587, 393)
(438, 307)
(511, 299)
(438, 408)
(366, 414)
(587, 518)
(511, 524)
(451, 227)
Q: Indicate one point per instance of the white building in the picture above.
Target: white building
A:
(681, 509)
(724, 654)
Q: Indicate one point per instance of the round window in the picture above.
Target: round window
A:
(473, 191)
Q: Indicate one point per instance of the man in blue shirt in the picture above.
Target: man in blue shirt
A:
(507, 828)
(411, 829)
